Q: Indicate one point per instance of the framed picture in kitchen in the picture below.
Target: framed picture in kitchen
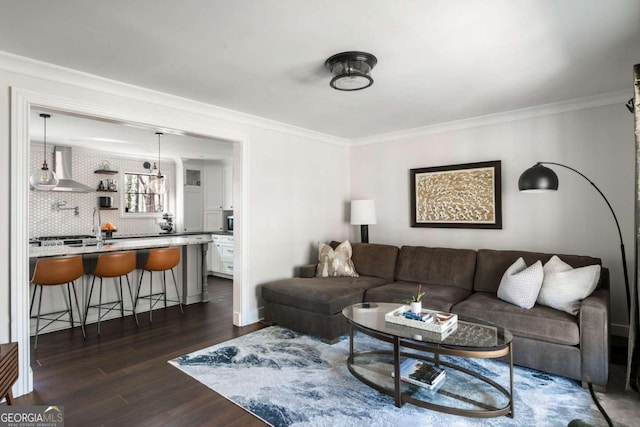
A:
(466, 195)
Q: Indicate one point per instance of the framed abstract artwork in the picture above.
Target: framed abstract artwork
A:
(468, 195)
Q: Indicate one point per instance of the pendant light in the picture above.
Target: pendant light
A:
(44, 179)
(157, 184)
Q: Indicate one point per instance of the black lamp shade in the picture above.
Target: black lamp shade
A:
(538, 178)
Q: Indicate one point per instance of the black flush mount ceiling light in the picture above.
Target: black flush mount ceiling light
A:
(351, 70)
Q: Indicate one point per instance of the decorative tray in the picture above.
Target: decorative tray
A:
(433, 320)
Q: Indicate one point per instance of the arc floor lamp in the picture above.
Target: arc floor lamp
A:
(538, 179)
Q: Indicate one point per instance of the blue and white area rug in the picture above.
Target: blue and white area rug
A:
(291, 379)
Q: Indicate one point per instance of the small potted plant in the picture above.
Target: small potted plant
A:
(416, 300)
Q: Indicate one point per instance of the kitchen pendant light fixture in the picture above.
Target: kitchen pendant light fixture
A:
(351, 70)
(44, 179)
(157, 184)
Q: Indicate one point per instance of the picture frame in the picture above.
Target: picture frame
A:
(467, 195)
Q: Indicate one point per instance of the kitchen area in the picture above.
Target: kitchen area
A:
(107, 200)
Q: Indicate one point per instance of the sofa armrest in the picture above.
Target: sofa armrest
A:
(306, 271)
(594, 337)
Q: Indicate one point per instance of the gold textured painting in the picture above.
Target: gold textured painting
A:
(461, 196)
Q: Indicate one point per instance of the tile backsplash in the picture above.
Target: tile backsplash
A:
(45, 220)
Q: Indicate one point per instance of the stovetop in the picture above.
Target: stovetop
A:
(76, 239)
(68, 237)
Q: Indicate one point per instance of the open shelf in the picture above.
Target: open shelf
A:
(106, 171)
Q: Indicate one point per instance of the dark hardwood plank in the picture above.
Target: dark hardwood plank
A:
(122, 378)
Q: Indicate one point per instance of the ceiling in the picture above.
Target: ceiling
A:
(124, 138)
(438, 60)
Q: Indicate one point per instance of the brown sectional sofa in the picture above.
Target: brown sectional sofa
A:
(461, 281)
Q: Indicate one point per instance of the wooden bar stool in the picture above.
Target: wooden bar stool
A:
(54, 272)
(116, 265)
(160, 260)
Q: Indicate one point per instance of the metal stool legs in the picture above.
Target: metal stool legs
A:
(57, 314)
(158, 296)
(110, 305)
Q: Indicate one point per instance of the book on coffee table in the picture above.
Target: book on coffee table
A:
(421, 373)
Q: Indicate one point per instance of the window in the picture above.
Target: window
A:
(138, 197)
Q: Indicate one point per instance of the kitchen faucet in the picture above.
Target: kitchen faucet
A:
(97, 231)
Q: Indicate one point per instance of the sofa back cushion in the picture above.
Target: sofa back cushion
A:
(437, 266)
(375, 260)
(492, 264)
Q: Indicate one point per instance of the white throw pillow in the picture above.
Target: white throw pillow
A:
(520, 284)
(564, 287)
(335, 262)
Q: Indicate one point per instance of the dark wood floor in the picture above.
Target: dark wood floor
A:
(123, 379)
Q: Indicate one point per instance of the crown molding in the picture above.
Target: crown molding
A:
(503, 117)
(62, 75)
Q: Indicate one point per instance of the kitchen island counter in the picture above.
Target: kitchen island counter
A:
(192, 269)
(122, 244)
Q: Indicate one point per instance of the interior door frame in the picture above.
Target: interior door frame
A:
(22, 101)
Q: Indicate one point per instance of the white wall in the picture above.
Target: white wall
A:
(575, 220)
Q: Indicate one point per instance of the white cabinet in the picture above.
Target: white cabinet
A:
(213, 220)
(221, 256)
(227, 185)
(218, 187)
(213, 257)
(213, 188)
(193, 207)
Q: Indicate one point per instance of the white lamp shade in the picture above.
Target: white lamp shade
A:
(363, 212)
(43, 179)
(157, 185)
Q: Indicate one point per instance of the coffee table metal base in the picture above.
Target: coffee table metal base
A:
(437, 351)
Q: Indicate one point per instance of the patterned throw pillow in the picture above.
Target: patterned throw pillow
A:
(520, 285)
(335, 262)
(564, 287)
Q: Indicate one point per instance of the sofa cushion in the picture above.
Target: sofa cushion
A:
(520, 285)
(564, 287)
(492, 264)
(335, 261)
(437, 266)
(324, 295)
(437, 297)
(539, 323)
(372, 259)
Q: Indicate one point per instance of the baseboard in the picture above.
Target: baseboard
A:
(193, 299)
(237, 318)
(218, 274)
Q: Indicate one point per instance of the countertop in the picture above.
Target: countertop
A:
(125, 243)
(177, 234)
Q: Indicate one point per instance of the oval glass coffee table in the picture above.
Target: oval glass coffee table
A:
(466, 389)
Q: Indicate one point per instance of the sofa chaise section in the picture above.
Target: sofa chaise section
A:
(314, 305)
